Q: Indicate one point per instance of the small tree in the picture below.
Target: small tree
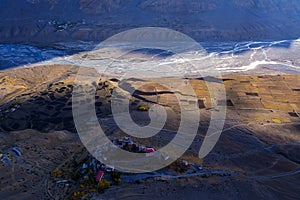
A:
(103, 185)
(56, 173)
(116, 177)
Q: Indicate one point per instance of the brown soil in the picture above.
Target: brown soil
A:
(257, 155)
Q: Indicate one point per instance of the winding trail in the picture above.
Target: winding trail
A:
(206, 172)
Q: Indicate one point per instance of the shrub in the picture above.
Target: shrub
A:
(91, 177)
(56, 173)
(103, 185)
(143, 108)
(78, 194)
(116, 177)
(75, 176)
(118, 181)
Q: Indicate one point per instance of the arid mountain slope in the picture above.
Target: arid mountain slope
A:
(44, 21)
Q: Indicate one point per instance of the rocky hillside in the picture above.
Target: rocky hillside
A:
(44, 21)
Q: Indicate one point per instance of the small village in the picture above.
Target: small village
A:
(82, 176)
(89, 175)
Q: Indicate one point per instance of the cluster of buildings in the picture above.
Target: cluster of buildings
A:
(127, 144)
(99, 168)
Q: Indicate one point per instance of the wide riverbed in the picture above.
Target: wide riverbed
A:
(221, 57)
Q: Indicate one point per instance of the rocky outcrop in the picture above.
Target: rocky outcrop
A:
(175, 6)
(101, 7)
